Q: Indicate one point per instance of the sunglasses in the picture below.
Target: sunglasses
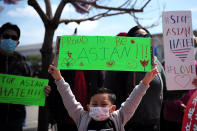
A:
(141, 35)
(13, 37)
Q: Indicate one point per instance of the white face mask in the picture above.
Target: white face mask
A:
(99, 113)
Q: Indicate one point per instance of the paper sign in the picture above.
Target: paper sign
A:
(190, 114)
(22, 90)
(178, 50)
(104, 53)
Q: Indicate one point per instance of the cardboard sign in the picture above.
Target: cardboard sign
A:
(104, 53)
(22, 90)
(190, 114)
(178, 50)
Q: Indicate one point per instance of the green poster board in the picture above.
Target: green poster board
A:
(22, 90)
(104, 53)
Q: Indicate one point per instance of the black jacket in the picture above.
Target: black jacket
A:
(123, 82)
(16, 65)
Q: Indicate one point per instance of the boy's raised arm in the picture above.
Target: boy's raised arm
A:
(73, 107)
(130, 105)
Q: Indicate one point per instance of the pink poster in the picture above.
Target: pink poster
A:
(178, 50)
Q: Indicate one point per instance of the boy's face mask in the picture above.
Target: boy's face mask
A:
(99, 113)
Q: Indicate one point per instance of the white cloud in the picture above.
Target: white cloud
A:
(22, 12)
(72, 25)
(84, 27)
(28, 11)
(193, 9)
(67, 9)
(88, 25)
(31, 34)
(63, 30)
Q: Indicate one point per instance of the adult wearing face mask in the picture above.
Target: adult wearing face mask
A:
(147, 115)
(12, 116)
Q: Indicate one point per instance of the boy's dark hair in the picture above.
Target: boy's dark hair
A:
(132, 31)
(9, 26)
(112, 96)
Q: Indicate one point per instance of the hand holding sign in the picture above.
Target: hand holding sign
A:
(150, 76)
(54, 72)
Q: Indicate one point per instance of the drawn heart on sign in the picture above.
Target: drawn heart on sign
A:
(183, 80)
(181, 53)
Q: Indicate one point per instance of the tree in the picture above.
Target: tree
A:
(51, 23)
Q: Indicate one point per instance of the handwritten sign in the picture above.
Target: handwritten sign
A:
(190, 114)
(104, 53)
(178, 50)
(22, 90)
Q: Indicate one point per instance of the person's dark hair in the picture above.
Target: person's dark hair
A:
(9, 26)
(112, 96)
(133, 30)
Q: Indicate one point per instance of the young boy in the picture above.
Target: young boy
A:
(101, 114)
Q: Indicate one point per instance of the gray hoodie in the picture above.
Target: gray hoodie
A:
(82, 118)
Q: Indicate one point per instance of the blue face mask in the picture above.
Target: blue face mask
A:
(8, 45)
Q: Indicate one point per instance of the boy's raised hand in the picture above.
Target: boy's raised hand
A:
(150, 75)
(55, 72)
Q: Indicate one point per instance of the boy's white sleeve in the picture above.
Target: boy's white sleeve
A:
(128, 108)
(73, 107)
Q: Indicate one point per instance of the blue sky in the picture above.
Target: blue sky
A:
(32, 29)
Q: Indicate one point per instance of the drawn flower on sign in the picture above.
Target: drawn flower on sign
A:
(110, 63)
(81, 64)
(144, 63)
(67, 62)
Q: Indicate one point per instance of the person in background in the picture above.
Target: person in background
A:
(115, 81)
(173, 111)
(147, 115)
(12, 116)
